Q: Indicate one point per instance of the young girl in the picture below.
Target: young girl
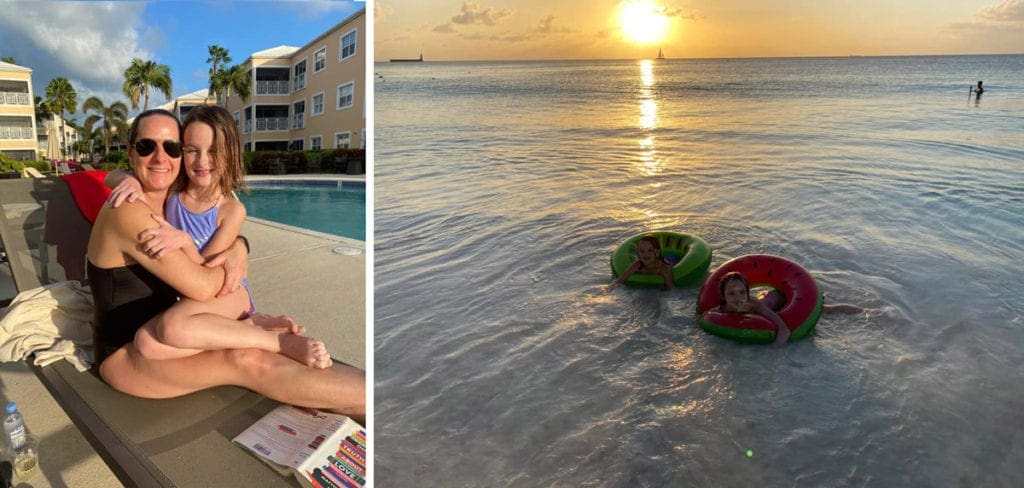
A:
(649, 261)
(734, 291)
(210, 219)
(735, 294)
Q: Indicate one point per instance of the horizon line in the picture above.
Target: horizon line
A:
(426, 60)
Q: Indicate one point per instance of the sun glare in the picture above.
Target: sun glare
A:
(642, 22)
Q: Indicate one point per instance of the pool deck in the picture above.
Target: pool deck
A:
(318, 279)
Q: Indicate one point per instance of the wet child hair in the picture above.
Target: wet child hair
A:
(649, 239)
(730, 276)
(227, 146)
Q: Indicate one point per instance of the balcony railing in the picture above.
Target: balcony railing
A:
(272, 87)
(300, 81)
(299, 121)
(16, 133)
(271, 123)
(14, 98)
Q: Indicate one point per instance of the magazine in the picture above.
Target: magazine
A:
(322, 450)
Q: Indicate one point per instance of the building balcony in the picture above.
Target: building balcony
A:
(17, 133)
(272, 87)
(271, 123)
(14, 98)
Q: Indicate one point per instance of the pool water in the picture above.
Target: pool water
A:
(333, 209)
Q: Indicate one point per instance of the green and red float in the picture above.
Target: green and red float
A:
(804, 300)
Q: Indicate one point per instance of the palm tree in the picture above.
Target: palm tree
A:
(8, 59)
(113, 119)
(218, 55)
(140, 76)
(234, 79)
(61, 96)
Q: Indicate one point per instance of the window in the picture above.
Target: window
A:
(345, 95)
(320, 59)
(236, 118)
(362, 139)
(348, 45)
(299, 114)
(299, 78)
(342, 140)
(315, 142)
(318, 104)
(296, 145)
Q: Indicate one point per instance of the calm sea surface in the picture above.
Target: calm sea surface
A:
(503, 359)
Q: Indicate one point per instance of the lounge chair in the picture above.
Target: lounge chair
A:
(30, 172)
(183, 441)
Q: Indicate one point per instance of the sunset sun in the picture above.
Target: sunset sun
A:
(642, 22)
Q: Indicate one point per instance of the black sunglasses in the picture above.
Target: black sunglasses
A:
(145, 147)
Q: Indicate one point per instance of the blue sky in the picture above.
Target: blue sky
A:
(91, 43)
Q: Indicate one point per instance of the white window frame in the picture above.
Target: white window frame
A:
(362, 139)
(299, 139)
(305, 78)
(348, 133)
(337, 92)
(312, 104)
(320, 139)
(324, 49)
(341, 45)
(292, 113)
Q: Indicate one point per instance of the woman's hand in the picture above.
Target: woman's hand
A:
(158, 241)
(235, 261)
(128, 189)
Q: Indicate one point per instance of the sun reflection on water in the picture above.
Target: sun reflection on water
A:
(650, 163)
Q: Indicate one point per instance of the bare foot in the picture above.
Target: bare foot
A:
(305, 350)
(279, 323)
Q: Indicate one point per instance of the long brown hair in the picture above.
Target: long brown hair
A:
(730, 276)
(227, 146)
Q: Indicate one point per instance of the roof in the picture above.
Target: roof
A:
(276, 52)
(13, 67)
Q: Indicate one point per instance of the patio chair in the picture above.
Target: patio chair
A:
(183, 441)
(30, 172)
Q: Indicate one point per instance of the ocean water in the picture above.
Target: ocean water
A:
(502, 188)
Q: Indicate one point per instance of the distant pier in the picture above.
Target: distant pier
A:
(419, 60)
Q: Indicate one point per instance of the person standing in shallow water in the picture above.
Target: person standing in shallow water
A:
(979, 90)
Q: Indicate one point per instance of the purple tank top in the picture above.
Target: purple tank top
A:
(200, 226)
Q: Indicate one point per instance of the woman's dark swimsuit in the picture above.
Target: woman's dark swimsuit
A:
(125, 298)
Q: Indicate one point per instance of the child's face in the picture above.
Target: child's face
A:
(736, 296)
(201, 157)
(646, 252)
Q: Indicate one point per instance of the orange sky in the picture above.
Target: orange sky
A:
(576, 29)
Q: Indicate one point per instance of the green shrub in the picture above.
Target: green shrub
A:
(115, 160)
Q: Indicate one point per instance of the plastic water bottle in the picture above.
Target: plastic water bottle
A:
(14, 428)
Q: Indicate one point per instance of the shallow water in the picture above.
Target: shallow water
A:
(502, 359)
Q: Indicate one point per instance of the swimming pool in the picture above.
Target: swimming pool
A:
(329, 206)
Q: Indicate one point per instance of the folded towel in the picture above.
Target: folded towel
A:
(89, 191)
(53, 321)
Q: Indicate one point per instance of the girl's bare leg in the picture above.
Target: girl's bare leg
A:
(191, 326)
(339, 388)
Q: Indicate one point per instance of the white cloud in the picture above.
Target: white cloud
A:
(471, 14)
(90, 43)
(1005, 11)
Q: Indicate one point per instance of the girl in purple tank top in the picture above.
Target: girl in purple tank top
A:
(203, 219)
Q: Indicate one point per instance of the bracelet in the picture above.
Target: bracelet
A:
(246, 242)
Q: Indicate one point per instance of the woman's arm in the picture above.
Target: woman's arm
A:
(125, 187)
(175, 268)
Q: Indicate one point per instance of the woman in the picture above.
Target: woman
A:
(130, 288)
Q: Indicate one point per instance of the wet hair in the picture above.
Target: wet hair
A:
(730, 276)
(133, 131)
(227, 146)
(650, 239)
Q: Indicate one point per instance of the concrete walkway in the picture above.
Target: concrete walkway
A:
(316, 278)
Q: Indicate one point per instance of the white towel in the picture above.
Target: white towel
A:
(53, 321)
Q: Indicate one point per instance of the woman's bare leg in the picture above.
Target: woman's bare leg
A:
(339, 388)
(191, 326)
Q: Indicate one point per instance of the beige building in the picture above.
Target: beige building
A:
(310, 97)
(50, 144)
(17, 113)
(182, 105)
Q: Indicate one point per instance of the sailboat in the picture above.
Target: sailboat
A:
(660, 54)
